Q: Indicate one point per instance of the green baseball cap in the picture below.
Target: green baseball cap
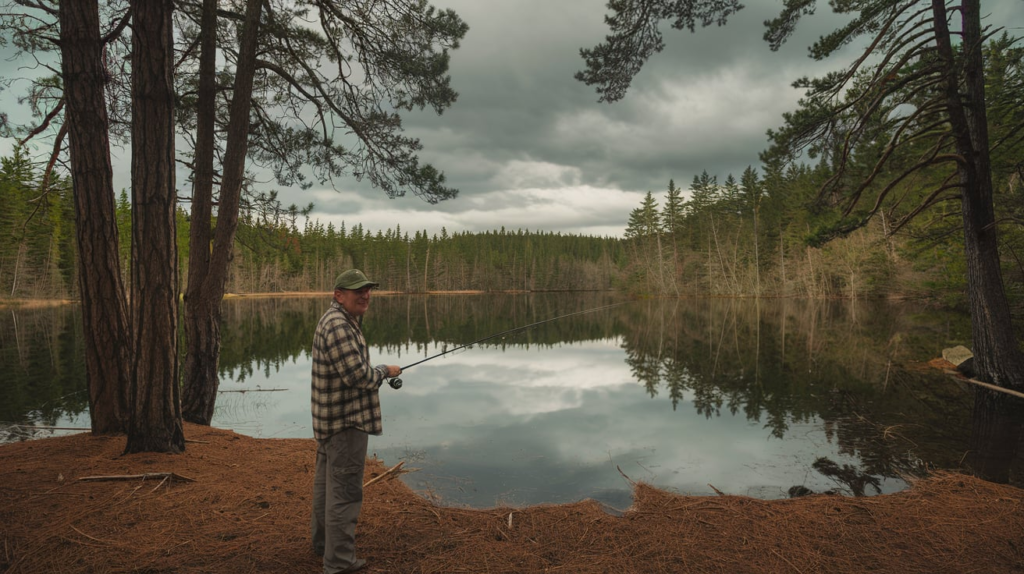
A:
(353, 279)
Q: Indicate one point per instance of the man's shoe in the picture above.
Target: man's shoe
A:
(359, 564)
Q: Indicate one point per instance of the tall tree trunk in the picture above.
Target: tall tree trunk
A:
(757, 259)
(201, 349)
(662, 285)
(998, 358)
(155, 421)
(108, 347)
(17, 265)
(426, 267)
(782, 262)
(710, 281)
(208, 274)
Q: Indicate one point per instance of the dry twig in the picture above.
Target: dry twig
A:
(145, 476)
(388, 472)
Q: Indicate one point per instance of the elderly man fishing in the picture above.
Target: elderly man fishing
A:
(346, 410)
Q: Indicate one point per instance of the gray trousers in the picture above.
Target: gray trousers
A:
(338, 497)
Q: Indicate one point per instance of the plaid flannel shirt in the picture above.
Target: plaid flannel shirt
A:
(344, 391)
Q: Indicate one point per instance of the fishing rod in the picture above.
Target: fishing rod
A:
(396, 383)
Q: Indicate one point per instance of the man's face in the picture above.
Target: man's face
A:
(355, 301)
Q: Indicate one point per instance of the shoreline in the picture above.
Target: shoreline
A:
(22, 303)
(27, 303)
(246, 508)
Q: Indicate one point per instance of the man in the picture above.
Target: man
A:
(346, 410)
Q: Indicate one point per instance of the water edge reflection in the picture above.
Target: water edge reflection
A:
(753, 397)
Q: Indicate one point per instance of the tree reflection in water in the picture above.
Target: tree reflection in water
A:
(995, 451)
(846, 366)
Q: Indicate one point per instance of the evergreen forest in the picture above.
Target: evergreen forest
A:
(280, 249)
(746, 237)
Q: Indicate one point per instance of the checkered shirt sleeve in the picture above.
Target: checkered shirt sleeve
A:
(345, 385)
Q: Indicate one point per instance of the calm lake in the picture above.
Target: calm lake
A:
(745, 397)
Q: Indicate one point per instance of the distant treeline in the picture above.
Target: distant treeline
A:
(276, 252)
(737, 238)
(278, 256)
(764, 233)
(771, 234)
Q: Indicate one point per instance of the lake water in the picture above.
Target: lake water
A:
(745, 397)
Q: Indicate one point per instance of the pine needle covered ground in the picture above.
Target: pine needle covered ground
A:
(246, 509)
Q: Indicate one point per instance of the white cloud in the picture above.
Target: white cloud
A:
(731, 104)
(539, 196)
(519, 174)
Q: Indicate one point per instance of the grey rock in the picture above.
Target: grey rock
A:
(957, 355)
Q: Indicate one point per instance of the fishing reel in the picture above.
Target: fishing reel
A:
(395, 383)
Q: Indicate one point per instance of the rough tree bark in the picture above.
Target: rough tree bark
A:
(208, 268)
(108, 348)
(997, 356)
(155, 419)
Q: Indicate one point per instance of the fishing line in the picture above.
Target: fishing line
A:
(396, 383)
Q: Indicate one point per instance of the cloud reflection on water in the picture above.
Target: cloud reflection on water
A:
(548, 425)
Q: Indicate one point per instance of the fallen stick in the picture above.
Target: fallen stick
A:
(390, 471)
(146, 476)
(166, 478)
(986, 385)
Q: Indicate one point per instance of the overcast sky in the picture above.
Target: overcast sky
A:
(529, 147)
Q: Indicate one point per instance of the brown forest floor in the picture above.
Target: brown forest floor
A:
(248, 511)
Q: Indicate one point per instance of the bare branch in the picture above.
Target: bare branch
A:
(37, 6)
(46, 123)
(929, 201)
(45, 185)
(121, 25)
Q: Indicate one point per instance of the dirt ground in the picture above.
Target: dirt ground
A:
(246, 509)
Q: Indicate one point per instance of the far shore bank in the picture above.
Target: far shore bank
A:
(29, 303)
(35, 303)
